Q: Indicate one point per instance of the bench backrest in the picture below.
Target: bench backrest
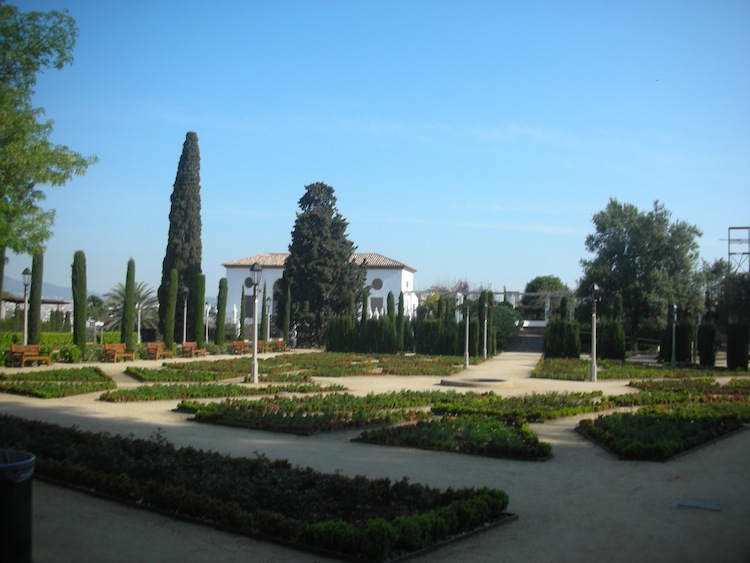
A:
(154, 345)
(115, 347)
(189, 344)
(25, 348)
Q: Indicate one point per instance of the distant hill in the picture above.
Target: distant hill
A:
(53, 291)
(48, 289)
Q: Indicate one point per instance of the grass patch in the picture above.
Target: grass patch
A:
(55, 383)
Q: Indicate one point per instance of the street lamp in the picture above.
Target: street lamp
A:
(484, 347)
(594, 292)
(206, 311)
(466, 338)
(26, 276)
(254, 280)
(674, 335)
(185, 292)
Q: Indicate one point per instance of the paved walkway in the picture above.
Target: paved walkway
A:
(583, 505)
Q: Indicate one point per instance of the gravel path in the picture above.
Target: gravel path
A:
(582, 505)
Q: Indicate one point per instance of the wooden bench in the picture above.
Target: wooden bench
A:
(190, 350)
(113, 352)
(23, 353)
(238, 347)
(156, 350)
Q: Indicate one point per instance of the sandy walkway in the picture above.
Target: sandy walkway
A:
(583, 505)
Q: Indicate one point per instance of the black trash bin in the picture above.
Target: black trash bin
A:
(16, 471)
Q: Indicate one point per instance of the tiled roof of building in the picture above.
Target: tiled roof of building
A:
(277, 259)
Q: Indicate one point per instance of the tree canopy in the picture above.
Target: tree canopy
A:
(320, 271)
(29, 43)
(644, 257)
(184, 247)
(535, 305)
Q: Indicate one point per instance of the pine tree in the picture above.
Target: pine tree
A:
(80, 315)
(35, 298)
(128, 308)
(321, 254)
(221, 315)
(184, 247)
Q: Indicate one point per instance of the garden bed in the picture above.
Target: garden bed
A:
(349, 517)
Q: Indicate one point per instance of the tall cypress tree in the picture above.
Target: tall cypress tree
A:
(243, 314)
(221, 314)
(184, 247)
(199, 303)
(169, 321)
(35, 298)
(80, 314)
(263, 316)
(320, 254)
(128, 308)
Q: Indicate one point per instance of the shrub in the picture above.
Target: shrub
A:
(707, 343)
(737, 334)
(70, 354)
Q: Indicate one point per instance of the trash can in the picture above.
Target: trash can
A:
(16, 471)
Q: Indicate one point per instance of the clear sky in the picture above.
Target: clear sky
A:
(471, 140)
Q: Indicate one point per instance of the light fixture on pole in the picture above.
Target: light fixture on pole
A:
(674, 335)
(254, 279)
(466, 338)
(206, 312)
(26, 276)
(484, 347)
(594, 297)
(185, 293)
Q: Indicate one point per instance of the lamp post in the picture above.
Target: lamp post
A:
(592, 370)
(206, 312)
(254, 280)
(26, 276)
(484, 345)
(466, 336)
(674, 335)
(185, 293)
(139, 307)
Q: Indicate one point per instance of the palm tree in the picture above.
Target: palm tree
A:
(145, 300)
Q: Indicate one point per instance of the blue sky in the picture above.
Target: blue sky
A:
(470, 140)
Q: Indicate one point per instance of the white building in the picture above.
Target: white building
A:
(383, 275)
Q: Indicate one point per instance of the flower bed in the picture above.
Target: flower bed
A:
(476, 435)
(159, 392)
(578, 370)
(355, 518)
(52, 384)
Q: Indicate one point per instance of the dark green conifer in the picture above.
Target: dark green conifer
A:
(128, 308)
(169, 320)
(80, 315)
(320, 253)
(35, 298)
(184, 247)
(221, 314)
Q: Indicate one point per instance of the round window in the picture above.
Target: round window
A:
(377, 284)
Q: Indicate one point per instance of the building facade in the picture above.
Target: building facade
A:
(384, 275)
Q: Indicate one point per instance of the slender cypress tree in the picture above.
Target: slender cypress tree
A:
(243, 314)
(221, 315)
(287, 321)
(128, 309)
(263, 317)
(200, 303)
(168, 333)
(184, 247)
(35, 298)
(400, 325)
(80, 314)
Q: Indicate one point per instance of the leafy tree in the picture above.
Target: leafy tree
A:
(35, 298)
(143, 299)
(321, 254)
(645, 258)
(534, 305)
(221, 314)
(80, 313)
(30, 43)
(184, 247)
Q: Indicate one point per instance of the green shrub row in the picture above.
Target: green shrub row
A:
(357, 518)
(159, 392)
